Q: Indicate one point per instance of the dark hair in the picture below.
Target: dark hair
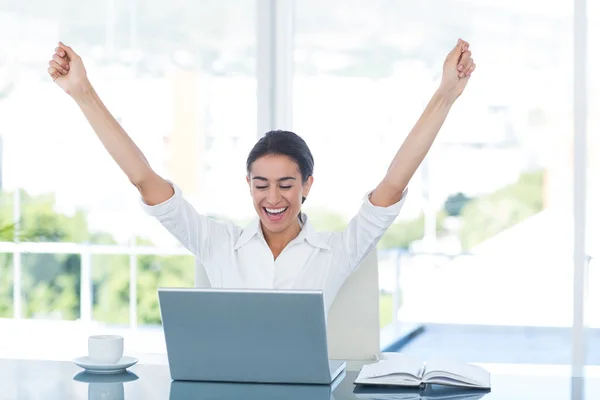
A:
(287, 144)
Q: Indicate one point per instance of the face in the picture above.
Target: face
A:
(277, 189)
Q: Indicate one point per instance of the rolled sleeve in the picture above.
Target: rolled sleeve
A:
(166, 207)
(384, 213)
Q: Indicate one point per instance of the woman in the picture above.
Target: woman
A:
(279, 249)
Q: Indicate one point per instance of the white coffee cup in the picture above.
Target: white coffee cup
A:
(105, 349)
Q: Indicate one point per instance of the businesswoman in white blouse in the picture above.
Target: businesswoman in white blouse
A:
(279, 249)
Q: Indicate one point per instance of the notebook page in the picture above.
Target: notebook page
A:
(467, 373)
(454, 382)
(406, 366)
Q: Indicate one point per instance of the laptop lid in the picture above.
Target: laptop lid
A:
(226, 335)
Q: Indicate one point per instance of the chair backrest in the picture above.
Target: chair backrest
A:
(353, 331)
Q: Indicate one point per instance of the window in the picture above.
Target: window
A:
(485, 221)
(592, 302)
(177, 76)
(488, 221)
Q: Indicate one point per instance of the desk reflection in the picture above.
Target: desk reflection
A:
(181, 390)
(106, 387)
(430, 392)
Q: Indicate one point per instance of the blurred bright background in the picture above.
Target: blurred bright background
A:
(481, 257)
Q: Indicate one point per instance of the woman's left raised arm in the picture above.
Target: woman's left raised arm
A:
(457, 70)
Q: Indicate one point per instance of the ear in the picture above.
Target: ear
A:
(249, 185)
(306, 186)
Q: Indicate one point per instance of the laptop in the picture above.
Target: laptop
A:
(248, 335)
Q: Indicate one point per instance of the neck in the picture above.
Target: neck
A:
(278, 241)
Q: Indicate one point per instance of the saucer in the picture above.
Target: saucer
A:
(98, 368)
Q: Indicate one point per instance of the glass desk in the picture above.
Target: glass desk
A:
(37, 379)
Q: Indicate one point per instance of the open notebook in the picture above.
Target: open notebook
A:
(401, 370)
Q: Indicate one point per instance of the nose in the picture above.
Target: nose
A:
(273, 196)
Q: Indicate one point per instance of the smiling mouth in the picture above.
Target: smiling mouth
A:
(275, 215)
(275, 212)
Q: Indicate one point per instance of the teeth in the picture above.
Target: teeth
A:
(275, 210)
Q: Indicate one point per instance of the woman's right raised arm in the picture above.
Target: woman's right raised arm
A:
(68, 71)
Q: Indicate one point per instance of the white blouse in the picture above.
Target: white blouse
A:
(240, 258)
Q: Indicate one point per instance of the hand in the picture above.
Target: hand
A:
(457, 70)
(67, 70)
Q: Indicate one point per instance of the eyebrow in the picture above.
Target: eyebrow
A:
(285, 178)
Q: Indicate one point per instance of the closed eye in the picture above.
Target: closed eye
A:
(262, 187)
(285, 187)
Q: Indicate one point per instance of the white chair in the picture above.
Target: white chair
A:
(353, 331)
